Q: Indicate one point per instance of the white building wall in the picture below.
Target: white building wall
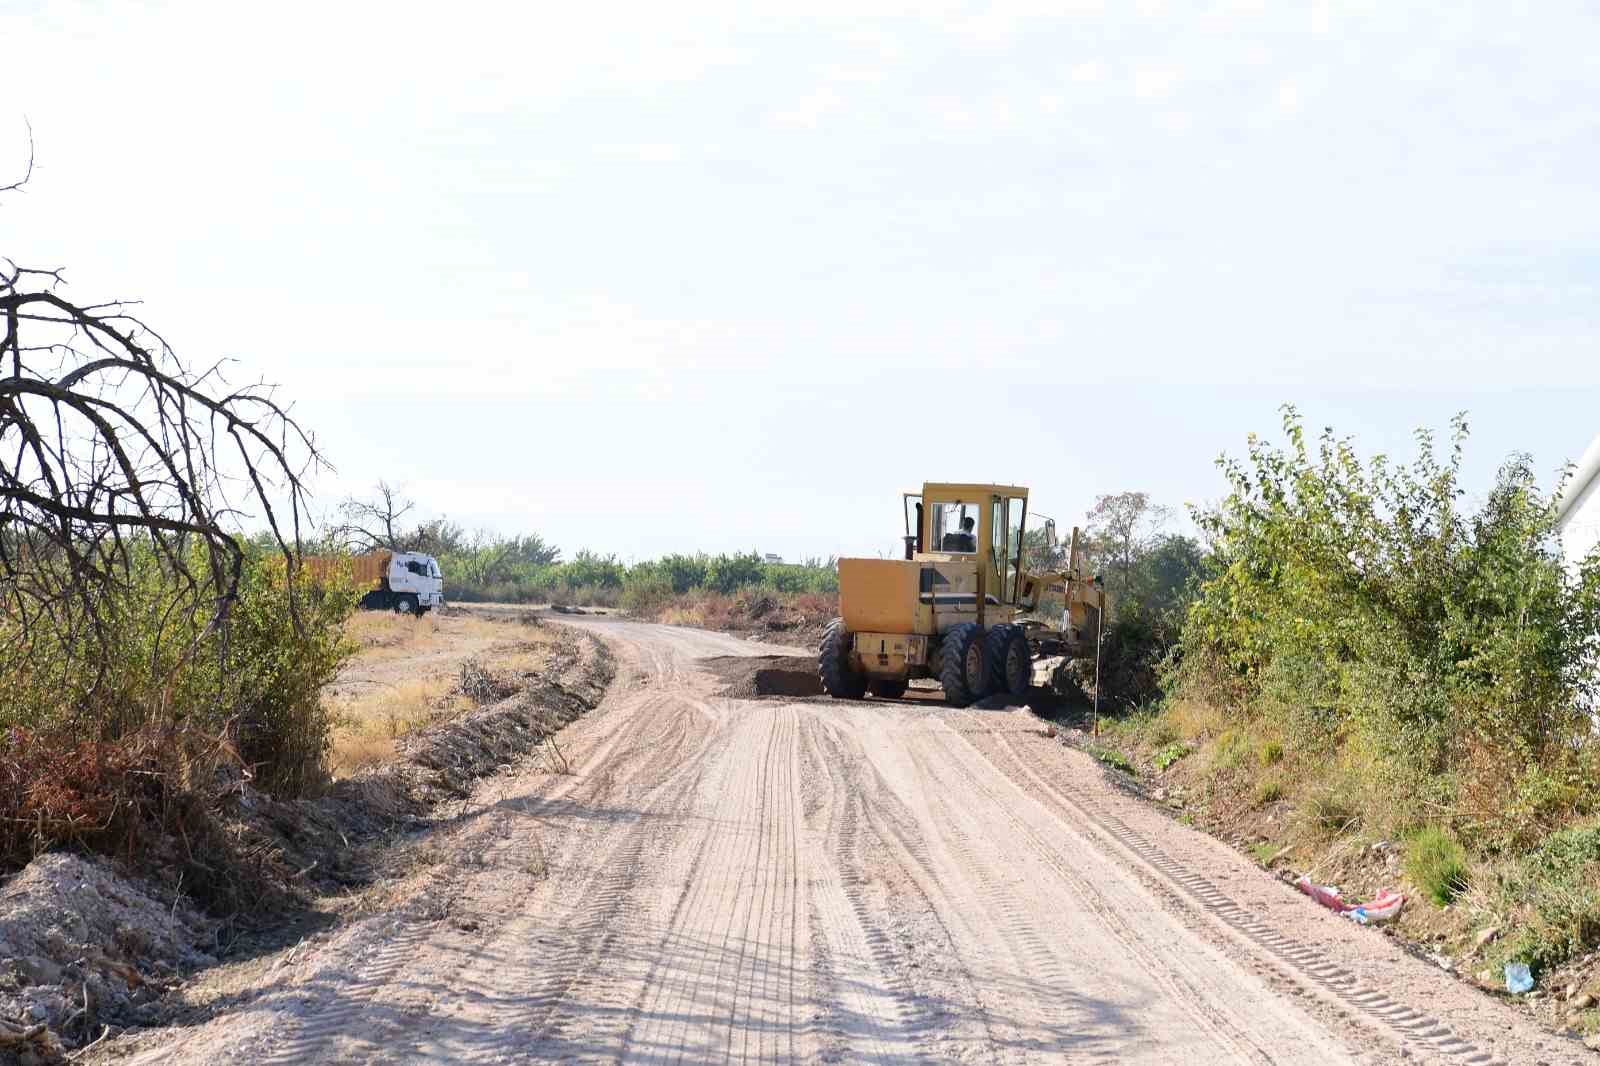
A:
(1578, 513)
(1578, 519)
(1580, 528)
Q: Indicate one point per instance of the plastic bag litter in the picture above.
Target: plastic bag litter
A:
(1519, 978)
(1383, 907)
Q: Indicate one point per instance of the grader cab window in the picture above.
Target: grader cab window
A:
(955, 528)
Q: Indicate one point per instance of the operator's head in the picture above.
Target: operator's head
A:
(966, 524)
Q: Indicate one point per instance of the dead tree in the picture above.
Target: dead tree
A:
(112, 447)
(370, 524)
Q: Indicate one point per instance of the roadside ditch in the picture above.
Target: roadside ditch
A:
(89, 949)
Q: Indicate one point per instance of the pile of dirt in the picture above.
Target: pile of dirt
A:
(337, 841)
(83, 948)
(444, 761)
(751, 677)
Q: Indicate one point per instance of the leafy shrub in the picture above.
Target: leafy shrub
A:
(1556, 887)
(645, 591)
(256, 682)
(1170, 754)
(1437, 865)
(1112, 758)
(1130, 660)
(1363, 602)
(1270, 753)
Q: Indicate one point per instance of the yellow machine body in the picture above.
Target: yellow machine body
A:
(963, 564)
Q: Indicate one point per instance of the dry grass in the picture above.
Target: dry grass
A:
(386, 703)
(385, 635)
(367, 725)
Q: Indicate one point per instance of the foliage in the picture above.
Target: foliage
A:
(1365, 601)
(1112, 758)
(1437, 865)
(527, 569)
(1556, 888)
(255, 682)
(1121, 528)
(1170, 754)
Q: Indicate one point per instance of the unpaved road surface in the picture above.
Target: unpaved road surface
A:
(801, 880)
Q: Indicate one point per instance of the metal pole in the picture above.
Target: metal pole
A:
(1100, 629)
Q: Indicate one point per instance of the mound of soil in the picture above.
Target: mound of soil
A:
(85, 947)
(751, 677)
(445, 760)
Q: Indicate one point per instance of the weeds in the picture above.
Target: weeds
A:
(1437, 865)
(1329, 812)
(1268, 791)
(1170, 754)
(1113, 758)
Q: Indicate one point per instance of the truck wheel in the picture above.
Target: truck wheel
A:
(839, 678)
(963, 676)
(888, 690)
(1010, 660)
(405, 604)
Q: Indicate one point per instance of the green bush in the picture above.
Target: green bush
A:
(255, 682)
(1437, 865)
(1556, 887)
(645, 591)
(1170, 754)
(1112, 758)
(1366, 602)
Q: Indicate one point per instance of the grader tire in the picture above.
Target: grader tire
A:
(833, 664)
(964, 675)
(888, 690)
(1010, 660)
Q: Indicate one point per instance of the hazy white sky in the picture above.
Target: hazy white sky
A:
(661, 277)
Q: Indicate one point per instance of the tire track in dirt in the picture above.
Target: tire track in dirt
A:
(867, 1010)
(686, 952)
(933, 989)
(524, 997)
(1183, 985)
(361, 1032)
(1409, 1024)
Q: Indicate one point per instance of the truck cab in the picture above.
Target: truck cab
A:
(410, 584)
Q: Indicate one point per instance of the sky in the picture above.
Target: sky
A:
(721, 276)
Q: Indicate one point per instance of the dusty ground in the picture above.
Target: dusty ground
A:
(784, 879)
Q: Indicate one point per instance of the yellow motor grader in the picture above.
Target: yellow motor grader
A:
(955, 608)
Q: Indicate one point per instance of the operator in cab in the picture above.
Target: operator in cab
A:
(965, 541)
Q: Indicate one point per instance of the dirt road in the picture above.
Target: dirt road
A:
(804, 880)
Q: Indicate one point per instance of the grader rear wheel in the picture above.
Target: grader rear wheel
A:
(839, 679)
(963, 675)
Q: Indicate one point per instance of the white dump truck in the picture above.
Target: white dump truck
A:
(403, 582)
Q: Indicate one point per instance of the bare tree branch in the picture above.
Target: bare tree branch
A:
(113, 449)
(374, 523)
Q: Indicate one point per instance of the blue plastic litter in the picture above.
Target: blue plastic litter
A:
(1519, 978)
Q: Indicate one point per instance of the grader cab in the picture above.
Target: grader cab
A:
(959, 607)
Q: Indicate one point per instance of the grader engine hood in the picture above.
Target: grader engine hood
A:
(879, 595)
